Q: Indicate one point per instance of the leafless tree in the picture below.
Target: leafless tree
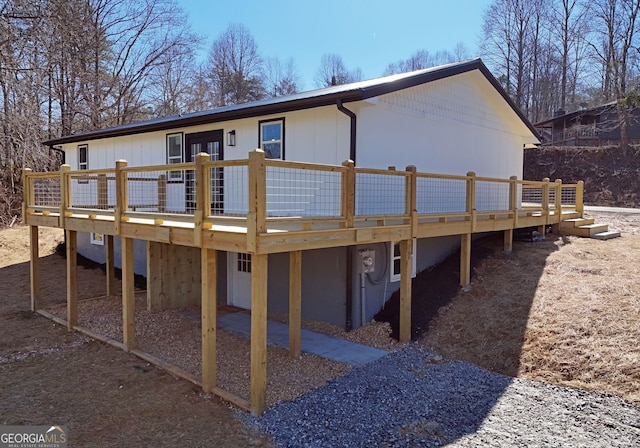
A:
(235, 67)
(332, 72)
(423, 59)
(280, 78)
(615, 45)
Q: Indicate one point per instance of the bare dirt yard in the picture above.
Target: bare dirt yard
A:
(105, 396)
(564, 310)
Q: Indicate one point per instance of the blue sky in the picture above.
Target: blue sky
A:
(366, 33)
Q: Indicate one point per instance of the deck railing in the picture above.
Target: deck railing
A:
(268, 193)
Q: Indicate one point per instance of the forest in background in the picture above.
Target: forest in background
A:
(69, 66)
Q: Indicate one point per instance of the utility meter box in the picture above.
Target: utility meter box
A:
(368, 261)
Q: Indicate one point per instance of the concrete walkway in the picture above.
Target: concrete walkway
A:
(593, 208)
(312, 342)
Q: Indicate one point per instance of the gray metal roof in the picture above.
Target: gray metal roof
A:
(315, 98)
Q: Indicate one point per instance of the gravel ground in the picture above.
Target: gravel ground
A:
(414, 398)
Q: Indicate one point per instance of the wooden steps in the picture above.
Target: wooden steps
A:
(587, 228)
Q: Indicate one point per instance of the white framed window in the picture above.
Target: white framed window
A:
(97, 239)
(272, 138)
(83, 157)
(175, 154)
(394, 272)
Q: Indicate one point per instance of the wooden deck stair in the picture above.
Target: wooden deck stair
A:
(587, 228)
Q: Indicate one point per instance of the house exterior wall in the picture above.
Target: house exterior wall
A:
(450, 126)
(319, 135)
(447, 126)
(324, 284)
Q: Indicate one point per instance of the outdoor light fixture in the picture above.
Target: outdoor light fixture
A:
(231, 138)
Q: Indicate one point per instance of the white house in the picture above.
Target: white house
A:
(450, 119)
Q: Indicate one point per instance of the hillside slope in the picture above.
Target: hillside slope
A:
(611, 177)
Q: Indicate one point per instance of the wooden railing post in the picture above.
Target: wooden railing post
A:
(122, 195)
(65, 193)
(203, 196)
(27, 193)
(513, 199)
(348, 193)
(580, 198)
(513, 207)
(557, 205)
(411, 207)
(545, 200)
(257, 210)
(471, 198)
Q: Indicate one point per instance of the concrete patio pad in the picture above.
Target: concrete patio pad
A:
(312, 342)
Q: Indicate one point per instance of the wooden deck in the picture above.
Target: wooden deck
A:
(260, 206)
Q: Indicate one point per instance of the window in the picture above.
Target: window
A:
(83, 157)
(97, 239)
(395, 261)
(175, 154)
(272, 138)
(244, 262)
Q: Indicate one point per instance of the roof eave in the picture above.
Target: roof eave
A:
(213, 117)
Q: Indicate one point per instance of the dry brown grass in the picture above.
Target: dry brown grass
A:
(565, 310)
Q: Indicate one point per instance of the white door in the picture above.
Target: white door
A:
(239, 279)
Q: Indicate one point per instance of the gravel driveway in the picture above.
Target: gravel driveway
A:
(413, 398)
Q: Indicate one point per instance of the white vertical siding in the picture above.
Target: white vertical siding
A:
(449, 126)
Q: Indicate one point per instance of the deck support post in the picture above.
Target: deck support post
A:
(508, 241)
(34, 267)
(128, 295)
(295, 302)
(580, 198)
(72, 278)
(208, 283)
(110, 265)
(465, 259)
(259, 285)
(405, 290)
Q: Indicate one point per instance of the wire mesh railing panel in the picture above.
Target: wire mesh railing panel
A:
(46, 192)
(568, 195)
(532, 196)
(303, 192)
(492, 196)
(159, 191)
(552, 196)
(380, 194)
(438, 195)
(92, 191)
(229, 187)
